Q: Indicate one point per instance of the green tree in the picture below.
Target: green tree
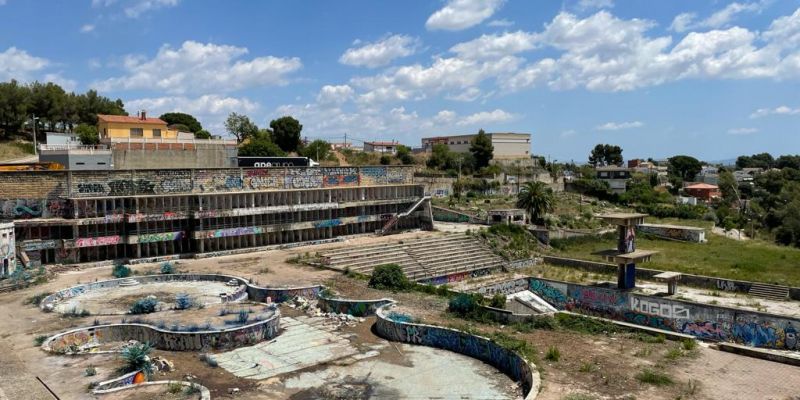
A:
(87, 134)
(605, 154)
(404, 155)
(240, 126)
(179, 128)
(761, 160)
(441, 157)
(136, 357)
(481, 149)
(537, 199)
(202, 134)
(286, 133)
(389, 277)
(684, 167)
(172, 118)
(13, 107)
(260, 146)
(316, 150)
(729, 187)
(386, 159)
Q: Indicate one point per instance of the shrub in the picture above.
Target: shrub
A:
(167, 268)
(136, 358)
(144, 306)
(193, 388)
(39, 339)
(389, 277)
(174, 387)
(121, 271)
(464, 304)
(90, 370)
(498, 301)
(689, 344)
(654, 377)
(36, 299)
(183, 301)
(443, 290)
(243, 316)
(553, 354)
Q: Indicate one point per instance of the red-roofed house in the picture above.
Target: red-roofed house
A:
(123, 126)
(703, 191)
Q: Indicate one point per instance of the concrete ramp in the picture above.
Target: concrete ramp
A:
(533, 302)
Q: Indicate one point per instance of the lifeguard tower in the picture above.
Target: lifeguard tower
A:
(626, 255)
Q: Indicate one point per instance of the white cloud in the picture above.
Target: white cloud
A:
(334, 94)
(780, 110)
(200, 68)
(500, 23)
(380, 53)
(496, 45)
(742, 131)
(719, 19)
(457, 15)
(18, 64)
(87, 28)
(471, 94)
(486, 117)
(445, 117)
(211, 110)
(568, 133)
(615, 126)
(584, 5)
(136, 8)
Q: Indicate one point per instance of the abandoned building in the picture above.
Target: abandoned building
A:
(87, 216)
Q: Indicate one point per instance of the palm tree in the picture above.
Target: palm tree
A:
(536, 198)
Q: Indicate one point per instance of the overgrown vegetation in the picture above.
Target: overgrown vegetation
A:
(654, 377)
(144, 306)
(389, 277)
(36, 299)
(136, 357)
(121, 271)
(167, 268)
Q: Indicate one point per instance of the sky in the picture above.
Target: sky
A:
(711, 79)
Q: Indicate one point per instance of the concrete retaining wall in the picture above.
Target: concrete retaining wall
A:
(674, 232)
(69, 342)
(484, 349)
(708, 322)
(135, 380)
(706, 282)
(279, 295)
(357, 308)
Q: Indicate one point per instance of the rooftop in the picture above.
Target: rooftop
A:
(125, 119)
(701, 186)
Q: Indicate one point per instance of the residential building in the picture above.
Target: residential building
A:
(138, 127)
(66, 149)
(616, 177)
(746, 175)
(506, 145)
(381, 147)
(708, 174)
(702, 191)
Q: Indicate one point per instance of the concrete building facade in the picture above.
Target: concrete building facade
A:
(8, 258)
(140, 126)
(85, 216)
(506, 145)
(616, 177)
(381, 147)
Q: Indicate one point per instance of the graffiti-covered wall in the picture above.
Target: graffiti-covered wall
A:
(507, 361)
(357, 308)
(674, 232)
(701, 320)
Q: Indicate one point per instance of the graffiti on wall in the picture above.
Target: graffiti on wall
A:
(457, 277)
(506, 288)
(342, 176)
(551, 292)
(663, 309)
(306, 178)
(262, 179)
(98, 241)
(686, 234)
(595, 298)
(91, 188)
(328, 223)
(160, 237)
(129, 187)
(247, 230)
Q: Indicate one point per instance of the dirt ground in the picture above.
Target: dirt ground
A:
(601, 366)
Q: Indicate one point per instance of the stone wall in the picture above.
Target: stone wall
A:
(708, 322)
(484, 349)
(248, 335)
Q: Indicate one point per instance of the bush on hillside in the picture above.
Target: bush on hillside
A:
(464, 304)
(389, 277)
(144, 306)
(121, 271)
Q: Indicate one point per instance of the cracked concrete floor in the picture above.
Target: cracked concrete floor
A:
(311, 359)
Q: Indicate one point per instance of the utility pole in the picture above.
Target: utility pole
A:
(35, 150)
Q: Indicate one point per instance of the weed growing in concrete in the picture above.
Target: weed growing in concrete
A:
(553, 354)
(193, 388)
(580, 323)
(167, 268)
(174, 388)
(39, 339)
(654, 377)
(75, 313)
(689, 344)
(674, 353)
(578, 396)
(243, 316)
(644, 352)
(90, 371)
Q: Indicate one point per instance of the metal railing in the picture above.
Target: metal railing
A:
(74, 147)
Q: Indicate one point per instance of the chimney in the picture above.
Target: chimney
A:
(144, 115)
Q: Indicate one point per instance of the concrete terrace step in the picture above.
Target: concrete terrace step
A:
(771, 292)
(384, 245)
(461, 260)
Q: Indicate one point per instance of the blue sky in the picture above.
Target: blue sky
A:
(712, 79)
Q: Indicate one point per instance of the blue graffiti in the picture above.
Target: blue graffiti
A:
(755, 334)
(548, 293)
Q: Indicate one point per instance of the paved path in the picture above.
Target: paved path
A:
(16, 382)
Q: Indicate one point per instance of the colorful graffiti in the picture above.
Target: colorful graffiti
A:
(667, 309)
(247, 230)
(706, 330)
(160, 237)
(551, 292)
(506, 288)
(344, 176)
(328, 223)
(98, 241)
(307, 178)
(457, 277)
(261, 179)
(129, 187)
